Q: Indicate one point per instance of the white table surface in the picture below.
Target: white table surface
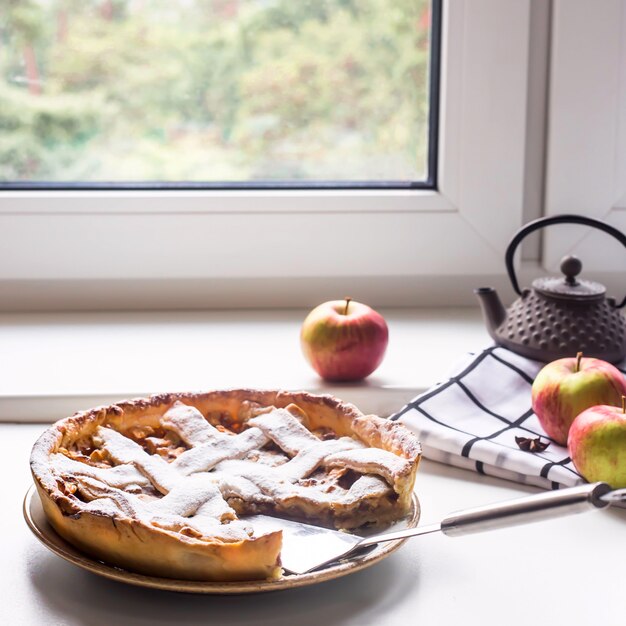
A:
(570, 571)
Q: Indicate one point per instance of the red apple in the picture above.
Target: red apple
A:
(597, 444)
(566, 387)
(344, 339)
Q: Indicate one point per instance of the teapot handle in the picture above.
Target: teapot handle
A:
(548, 221)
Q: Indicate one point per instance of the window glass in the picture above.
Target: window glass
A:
(215, 91)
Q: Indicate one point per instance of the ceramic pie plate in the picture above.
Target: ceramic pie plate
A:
(37, 522)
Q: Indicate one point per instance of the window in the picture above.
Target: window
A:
(219, 93)
(69, 248)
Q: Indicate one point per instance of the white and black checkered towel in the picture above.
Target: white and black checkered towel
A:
(472, 419)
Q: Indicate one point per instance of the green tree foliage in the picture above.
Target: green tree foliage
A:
(213, 90)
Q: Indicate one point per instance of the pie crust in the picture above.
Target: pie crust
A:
(156, 485)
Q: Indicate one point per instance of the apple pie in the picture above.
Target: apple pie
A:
(161, 485)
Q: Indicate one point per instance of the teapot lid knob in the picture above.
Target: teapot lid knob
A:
(571, 266)
(569, 287)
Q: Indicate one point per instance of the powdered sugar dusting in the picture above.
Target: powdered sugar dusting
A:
(220, 466)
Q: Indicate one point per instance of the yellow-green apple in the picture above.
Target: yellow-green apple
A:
(566, 387)
(597, 444)
(344, 340)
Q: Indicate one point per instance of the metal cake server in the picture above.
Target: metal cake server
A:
(307, 547)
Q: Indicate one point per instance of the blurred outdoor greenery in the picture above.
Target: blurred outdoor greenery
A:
(213, 90)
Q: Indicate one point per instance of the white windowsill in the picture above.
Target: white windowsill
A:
(57, 363)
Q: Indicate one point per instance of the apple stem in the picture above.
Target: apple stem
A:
(345, 311)
(624, 404)
(579, 356)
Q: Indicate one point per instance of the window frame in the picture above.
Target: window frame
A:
(394, 246)
(586, 162)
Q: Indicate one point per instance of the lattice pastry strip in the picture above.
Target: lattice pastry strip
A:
(204, 512)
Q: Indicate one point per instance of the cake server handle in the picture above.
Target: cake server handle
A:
(533, 508)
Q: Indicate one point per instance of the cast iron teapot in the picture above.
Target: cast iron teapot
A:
(558, 316)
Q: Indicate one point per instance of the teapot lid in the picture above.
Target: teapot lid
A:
(569, 287)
